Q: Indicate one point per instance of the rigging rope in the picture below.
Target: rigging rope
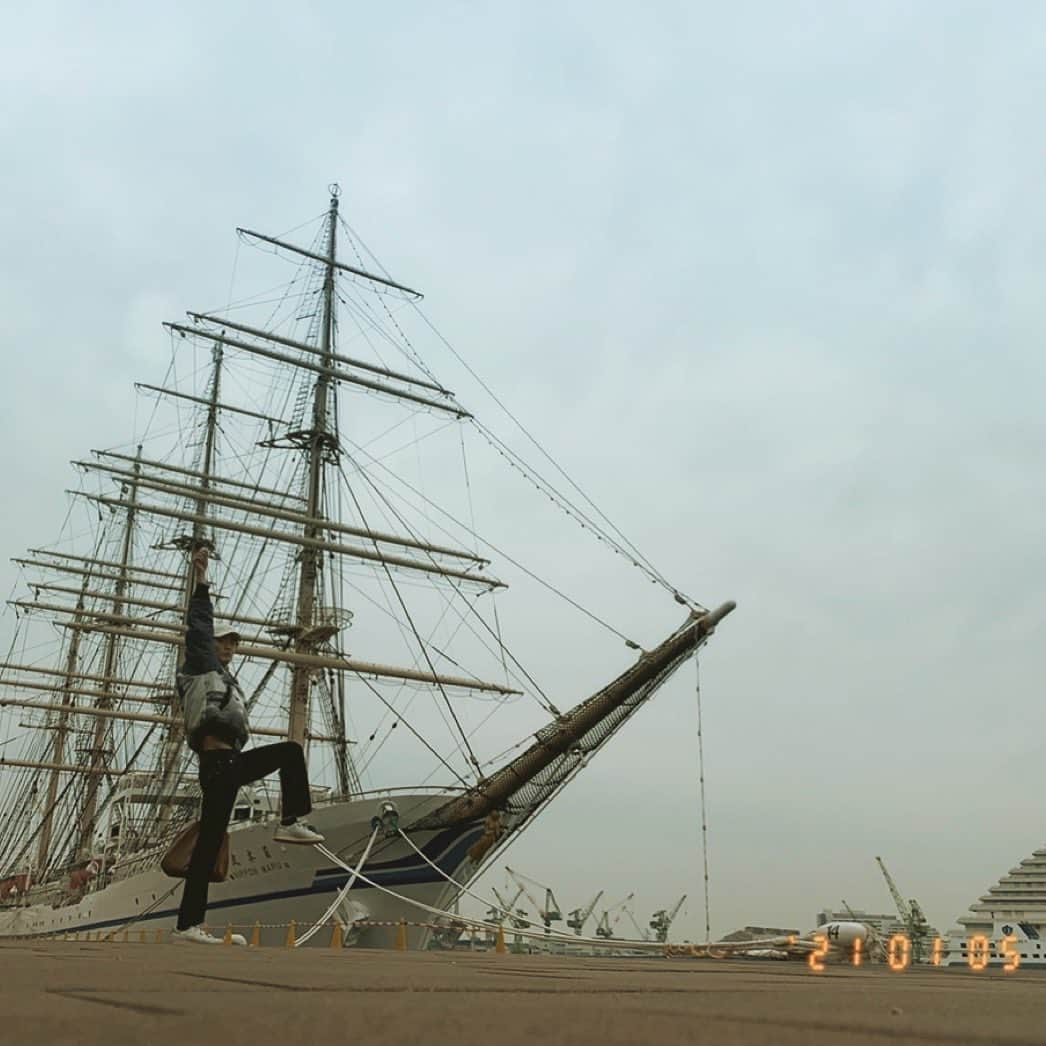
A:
(417, 635)
(622, 545)
(704, 811)
(377, 693)
(628, 551)
(504, 555)
(638, 558)
(402, 521)
(468, 484)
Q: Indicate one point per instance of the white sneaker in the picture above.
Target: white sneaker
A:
(196, 935)
(299, 832)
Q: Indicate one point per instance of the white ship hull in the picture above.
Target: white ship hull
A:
(272, 884)
(1013, 943)
(1007, 922)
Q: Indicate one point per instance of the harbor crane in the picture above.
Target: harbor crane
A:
(579, 916)
(911, 915)
(641, 934)
(606, 927)
(549, 912)
(661, 921)
(499, 915)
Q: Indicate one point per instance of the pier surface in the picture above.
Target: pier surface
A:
(154, 994)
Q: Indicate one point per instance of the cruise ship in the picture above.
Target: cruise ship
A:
(1007, 925)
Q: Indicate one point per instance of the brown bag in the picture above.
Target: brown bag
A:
(175, 862)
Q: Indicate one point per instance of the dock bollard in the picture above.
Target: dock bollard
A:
(337, 940)
(499, 942)
(289, 943)
(401, 936)
(256, 935)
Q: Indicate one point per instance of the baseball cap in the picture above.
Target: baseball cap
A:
(226, 630)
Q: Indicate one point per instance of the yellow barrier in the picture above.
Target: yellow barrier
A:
(337, 938)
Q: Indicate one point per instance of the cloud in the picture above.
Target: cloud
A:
(767, 282)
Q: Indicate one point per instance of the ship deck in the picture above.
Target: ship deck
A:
(116, 993)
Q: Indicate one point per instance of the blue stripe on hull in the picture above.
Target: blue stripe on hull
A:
(433, 850)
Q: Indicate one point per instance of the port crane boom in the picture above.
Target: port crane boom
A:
(911, 915)
(579, 916)
(506, 911)
(606, 927)
(549, 911)
(661, 921)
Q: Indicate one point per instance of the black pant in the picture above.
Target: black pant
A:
(223, 772)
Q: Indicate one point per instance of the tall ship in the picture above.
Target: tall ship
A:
(370, 615)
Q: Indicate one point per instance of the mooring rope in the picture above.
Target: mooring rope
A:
(342, 893)
(475, 896)
(597, 942)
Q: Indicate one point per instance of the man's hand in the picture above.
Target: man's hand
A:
(200, 560)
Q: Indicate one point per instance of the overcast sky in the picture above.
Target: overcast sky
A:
(768, 280)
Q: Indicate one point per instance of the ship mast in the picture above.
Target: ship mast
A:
(321, 442)
(105, 698)
(61, 732)
(172, 746)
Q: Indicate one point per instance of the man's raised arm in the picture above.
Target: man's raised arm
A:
(200, 654)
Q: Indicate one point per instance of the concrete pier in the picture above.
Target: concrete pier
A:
(110, 994)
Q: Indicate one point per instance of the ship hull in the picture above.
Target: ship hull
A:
(272, 884)
(1017, 942)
